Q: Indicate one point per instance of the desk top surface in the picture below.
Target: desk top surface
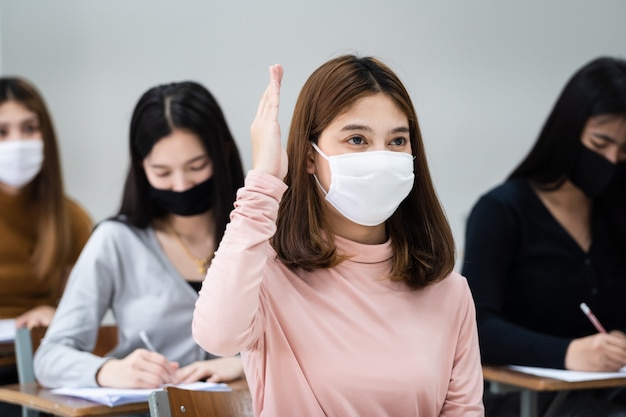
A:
(39, 398)
(538, 383)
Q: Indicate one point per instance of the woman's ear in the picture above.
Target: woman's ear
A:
(310, 160)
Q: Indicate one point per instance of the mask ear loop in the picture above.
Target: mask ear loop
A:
(318, 150)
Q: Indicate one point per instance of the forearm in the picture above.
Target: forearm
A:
(504, 343)
(228, 316)
(57, 365)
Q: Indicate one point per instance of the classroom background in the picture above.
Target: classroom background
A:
(483, 74)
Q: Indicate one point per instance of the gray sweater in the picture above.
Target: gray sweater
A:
(122, 268)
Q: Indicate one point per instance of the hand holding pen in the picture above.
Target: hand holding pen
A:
(599, 352)
(142, 368)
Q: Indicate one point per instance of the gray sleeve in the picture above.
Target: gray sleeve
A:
(64, 358)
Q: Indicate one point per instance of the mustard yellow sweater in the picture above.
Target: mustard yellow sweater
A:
(20, 290)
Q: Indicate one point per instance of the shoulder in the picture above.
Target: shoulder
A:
(117, 228)
(454, 284)
(118, 234)
(80, 226)
(454, 288)
(508, 192)
(77, 214)
(509, 197)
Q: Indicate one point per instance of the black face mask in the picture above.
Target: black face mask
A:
(592, 173)
(620, 172)
(196, 200)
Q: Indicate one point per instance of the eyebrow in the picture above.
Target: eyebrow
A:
(30, 119)
(191, 161)
(401, 129)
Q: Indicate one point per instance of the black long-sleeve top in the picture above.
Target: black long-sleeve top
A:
(528, 278)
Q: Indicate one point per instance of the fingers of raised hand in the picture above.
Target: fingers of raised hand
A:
(267, 151)
(268, 106)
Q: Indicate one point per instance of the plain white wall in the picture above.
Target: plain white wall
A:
(483, 74)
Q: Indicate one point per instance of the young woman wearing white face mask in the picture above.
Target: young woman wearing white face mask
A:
(334, 278)
(41, 230)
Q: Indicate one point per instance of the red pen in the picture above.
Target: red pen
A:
(592, 318)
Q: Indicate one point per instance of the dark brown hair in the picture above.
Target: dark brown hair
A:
(421, 238)
(54, 245)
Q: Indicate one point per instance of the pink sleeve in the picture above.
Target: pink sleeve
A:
(465, 390)
(228, 314)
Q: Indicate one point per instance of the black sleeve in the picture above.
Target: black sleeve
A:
(492, 242)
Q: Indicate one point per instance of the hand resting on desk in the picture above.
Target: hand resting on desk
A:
(40, 316)
(212, 370)
(601, 352)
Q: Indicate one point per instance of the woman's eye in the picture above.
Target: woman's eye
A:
(3, 132)
(199, 167)
(29, 129)
(599, 143)
(399, 141)
(356, 140)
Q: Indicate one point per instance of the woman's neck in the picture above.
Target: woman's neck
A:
(572, 209)
(368, 235)
(192, 229)
(570, 197)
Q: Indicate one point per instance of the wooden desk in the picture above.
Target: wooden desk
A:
(529, 385)
(38, 398)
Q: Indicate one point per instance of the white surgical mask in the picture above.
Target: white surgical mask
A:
(20, 161)
(367, 187)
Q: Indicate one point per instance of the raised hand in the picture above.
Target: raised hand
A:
(601, 352)
(140, 369)
(268, 154)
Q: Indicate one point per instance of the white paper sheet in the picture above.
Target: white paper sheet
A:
(570, 376)
(119, 396)
(7, 330)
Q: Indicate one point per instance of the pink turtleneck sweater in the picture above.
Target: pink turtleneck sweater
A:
(343, 341)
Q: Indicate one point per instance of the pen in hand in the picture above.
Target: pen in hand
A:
(146, 341)
(592, 318)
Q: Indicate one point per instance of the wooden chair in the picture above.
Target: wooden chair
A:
(27, 341)
(176, 402)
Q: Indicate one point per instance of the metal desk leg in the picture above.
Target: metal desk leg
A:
(528, 403)
(558, 399)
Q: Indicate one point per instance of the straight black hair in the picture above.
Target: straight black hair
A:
(183, 105)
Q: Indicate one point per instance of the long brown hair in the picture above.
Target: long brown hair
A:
(53, 247)
(422, 241)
